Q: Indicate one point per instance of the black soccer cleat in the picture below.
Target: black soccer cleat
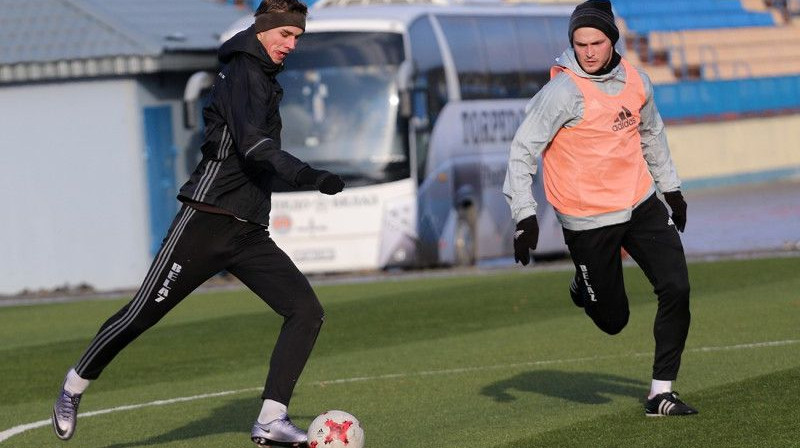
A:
(667, 404)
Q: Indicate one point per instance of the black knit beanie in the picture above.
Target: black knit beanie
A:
(594, 14)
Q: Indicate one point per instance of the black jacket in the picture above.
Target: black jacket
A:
(242, 147)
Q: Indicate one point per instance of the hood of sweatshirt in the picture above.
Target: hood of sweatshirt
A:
(246, 42)
(568, 60)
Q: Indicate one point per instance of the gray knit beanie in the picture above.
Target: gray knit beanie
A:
(594, 14)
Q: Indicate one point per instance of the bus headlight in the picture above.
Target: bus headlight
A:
(400, 256)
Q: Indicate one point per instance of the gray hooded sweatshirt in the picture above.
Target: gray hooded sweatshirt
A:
(560, 104)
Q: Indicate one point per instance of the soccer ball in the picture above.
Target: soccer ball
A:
(335, 429)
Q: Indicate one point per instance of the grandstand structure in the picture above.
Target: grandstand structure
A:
(714, 59)
(724, 57)
(711, 39)
(726, 73)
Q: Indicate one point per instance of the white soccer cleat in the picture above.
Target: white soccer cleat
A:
(279, 432)
(65, 414)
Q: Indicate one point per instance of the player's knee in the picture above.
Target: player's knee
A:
(677, 291)
(613, 324)
(310, 312)
(682, 291)
(615, 327)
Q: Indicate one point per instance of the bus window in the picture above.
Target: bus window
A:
(340, 107)
(542, 41)
(493, 58)
(465, 41)
(501, 50)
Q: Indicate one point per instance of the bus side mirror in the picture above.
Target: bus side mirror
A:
(404, 75)
(420, 124)
(405, 104)
(189, 115)
(191, 94)
(418, 99)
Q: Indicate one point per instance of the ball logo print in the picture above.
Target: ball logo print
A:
(335, 429)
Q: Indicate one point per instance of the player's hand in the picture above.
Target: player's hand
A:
(525, 239)
(329, 183)
(678, 206)
(324, 181)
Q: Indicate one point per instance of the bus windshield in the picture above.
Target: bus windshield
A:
(340, 104)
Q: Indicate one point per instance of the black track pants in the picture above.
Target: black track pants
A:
(197, 246)
(654, 244)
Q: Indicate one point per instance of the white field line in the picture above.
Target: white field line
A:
(5, 435)
(548, 362)
(22, 428)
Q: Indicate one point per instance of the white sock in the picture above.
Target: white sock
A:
(74, 384)
(659, 387)
(271, 410)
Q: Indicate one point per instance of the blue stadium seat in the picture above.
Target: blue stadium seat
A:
(643, 17)
(643, 24)
(677, 6)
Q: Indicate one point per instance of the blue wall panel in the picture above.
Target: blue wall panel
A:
(160, 152)
(709, 99)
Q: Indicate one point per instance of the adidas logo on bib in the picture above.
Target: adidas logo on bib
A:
(623, 120)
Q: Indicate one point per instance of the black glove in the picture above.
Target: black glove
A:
(324, 181)
(329, 183)
(525, 239)
(678, 206)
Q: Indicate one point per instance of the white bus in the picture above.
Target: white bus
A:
(415, 106)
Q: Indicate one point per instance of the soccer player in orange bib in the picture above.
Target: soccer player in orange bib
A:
(604, 156)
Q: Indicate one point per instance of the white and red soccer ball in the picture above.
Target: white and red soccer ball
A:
(335, 429)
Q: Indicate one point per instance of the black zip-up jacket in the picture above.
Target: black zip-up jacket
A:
(242, 147)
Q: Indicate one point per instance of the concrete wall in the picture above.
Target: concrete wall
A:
(73, 181)
(728, 152)
(72, 186)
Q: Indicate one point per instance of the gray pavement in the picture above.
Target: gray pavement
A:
(742, 220)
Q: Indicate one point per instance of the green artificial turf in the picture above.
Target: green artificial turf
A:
(498, 359)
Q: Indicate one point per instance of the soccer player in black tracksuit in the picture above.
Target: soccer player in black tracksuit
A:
(222, 225)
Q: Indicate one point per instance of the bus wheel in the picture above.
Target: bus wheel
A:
(465, 239)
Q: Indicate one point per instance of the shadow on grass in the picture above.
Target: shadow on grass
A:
(221, 420)
(580, 387)
(759, 412)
